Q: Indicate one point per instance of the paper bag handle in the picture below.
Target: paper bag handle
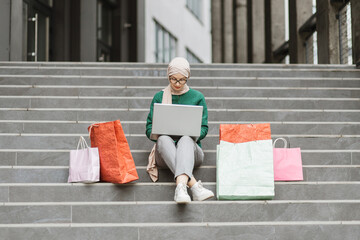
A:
(283, 139)
(82, 143)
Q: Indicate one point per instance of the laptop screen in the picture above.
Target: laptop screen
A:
(176, 120)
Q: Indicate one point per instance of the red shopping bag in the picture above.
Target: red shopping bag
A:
(240, 133)
(287, 163)
(116, 162)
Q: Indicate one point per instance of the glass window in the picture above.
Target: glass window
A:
(104, 23)
(104, 31)
(166, 48)
(43, 37)
(314, 39)
(191, 57)
(172, 47)
(195, 6)
(165, 44)
(25, 31)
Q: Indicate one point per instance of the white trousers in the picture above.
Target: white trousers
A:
(180, 158)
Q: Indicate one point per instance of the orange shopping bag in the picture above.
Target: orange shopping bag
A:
(116, 162)
(240, 133)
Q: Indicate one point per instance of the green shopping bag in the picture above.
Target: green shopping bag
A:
(245, 170)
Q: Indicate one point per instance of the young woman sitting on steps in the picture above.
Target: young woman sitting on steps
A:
(182, 155)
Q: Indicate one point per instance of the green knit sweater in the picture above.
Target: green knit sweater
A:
(191, 97)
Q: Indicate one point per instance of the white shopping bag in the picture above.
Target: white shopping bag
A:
(84, 163)
(245, 170)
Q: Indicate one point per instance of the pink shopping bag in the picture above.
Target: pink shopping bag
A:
(84, 164)
(287, 163)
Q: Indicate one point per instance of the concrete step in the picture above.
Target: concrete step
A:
(45, 107)
(140, 142)
(216, 117)
(33, 174)
(97, 82)
(138, 192)
(61, 157)
(138, 127)
(205, 72)
(346, 230)
(170, 212)
(212, 102)
(213, 92)
(305, 143)
(164, 65)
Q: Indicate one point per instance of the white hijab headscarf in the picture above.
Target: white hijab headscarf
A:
(177, 65)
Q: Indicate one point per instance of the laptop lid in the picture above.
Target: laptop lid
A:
(176, 120)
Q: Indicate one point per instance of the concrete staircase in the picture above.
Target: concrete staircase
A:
(45, 107)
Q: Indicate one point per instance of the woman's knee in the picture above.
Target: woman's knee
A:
(164, 143)
(163, 140)
(186, 139)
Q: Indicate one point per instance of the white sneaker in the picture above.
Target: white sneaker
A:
(200, 193)
(181, 194)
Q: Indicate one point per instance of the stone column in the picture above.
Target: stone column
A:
(258, 31)
(228, 31)
(88, 31)
(241, 32)
(16, 33)
(299, 12)
(216, 31)
(355, 24)
(274, 27)
(5, 11)
(141, 31)
(327, 32)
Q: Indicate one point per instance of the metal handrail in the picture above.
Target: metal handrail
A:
(309, 27)
(281, 52)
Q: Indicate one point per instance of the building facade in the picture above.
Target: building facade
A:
(105, 30)
(175, 28)
(269, 31)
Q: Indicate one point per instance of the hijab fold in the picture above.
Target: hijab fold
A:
(179, 65)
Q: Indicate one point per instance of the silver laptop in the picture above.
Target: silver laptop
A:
(176, 120)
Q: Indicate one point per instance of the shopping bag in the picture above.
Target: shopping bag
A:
(245, 170)
(239, 133)
(287, 163)
(116, 162)
(84, 163)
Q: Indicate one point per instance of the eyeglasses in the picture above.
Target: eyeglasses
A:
(181, 81)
